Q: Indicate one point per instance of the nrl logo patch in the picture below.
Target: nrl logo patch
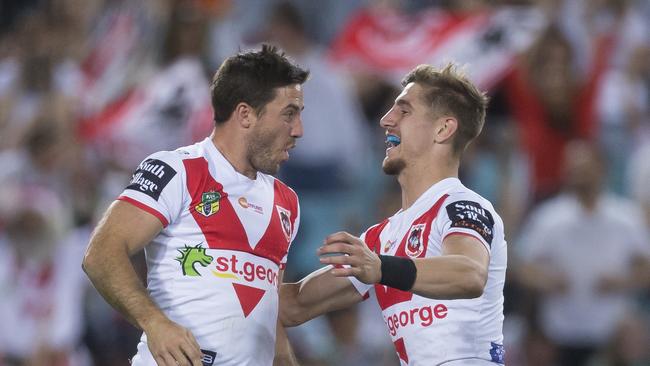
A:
(285, 220)
(414, 242)
(209, 203)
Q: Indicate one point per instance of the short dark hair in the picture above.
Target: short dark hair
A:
(448, 91)
(251, 77)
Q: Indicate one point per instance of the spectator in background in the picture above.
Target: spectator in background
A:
(167, 109)
(326, 168)
(41, 286)
(624, 116)
(330, 156)
(584, 252)
(551, 106)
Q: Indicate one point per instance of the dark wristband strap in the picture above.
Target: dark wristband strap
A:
(397, 272)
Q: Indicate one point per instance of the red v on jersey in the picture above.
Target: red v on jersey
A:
(388, 296)
(248, 297)
(275, 240)
(219, 236)
(223, 229)
(400, 348)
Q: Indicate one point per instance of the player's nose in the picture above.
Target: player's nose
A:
(387, 120)
(297, 128)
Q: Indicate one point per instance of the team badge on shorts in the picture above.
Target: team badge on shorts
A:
(285, 220)
(209, 203)
(415, 242)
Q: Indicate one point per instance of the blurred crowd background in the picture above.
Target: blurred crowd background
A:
(88, 88)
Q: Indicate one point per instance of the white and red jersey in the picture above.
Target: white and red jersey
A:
(430, 331)
(214, 267)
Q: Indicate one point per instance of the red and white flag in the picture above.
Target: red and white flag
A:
(485, 43)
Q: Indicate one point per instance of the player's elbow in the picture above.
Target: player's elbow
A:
(91, 262)
(290, 317)
(474, 283)
(291, 313)
(88, 263)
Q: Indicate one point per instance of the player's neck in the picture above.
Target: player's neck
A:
(233, 150)
(415, 180)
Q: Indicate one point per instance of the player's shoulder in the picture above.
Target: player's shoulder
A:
(175, 158)
(279, 185)
(463, 198)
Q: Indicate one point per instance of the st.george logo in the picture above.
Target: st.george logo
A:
(209, 203)
(414, 242)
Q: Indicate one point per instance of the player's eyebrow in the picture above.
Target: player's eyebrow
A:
(293, 106)
(403, 103)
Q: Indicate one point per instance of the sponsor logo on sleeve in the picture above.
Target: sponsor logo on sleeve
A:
(471, 215)
(151, 177)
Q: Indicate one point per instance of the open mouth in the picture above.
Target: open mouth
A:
(392, 141)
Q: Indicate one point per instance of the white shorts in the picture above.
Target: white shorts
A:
(470, 362)
(144, 357)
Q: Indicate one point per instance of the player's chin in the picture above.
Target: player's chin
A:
(392, 166)
(271, 168)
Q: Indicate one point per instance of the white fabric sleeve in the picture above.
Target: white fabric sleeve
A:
(157, 186)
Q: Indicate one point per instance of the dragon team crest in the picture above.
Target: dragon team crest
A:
(191, 256)
(415, 242)
(209, 203)
(285, 221)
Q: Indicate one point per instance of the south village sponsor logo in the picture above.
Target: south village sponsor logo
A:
(151, 177)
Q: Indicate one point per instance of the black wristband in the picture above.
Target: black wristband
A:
(397, 272)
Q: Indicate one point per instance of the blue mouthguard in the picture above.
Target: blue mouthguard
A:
(393, 139)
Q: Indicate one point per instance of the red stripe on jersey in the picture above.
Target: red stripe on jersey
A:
(274, 244)
(146, 208)
(400, 348)
(425, 220)
(222, 229)
(388, 296)
(372, 236)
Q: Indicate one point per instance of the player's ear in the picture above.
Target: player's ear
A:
(446, 127)
(244, 115)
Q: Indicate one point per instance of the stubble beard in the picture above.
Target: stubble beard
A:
(260, 154)
(393, 167)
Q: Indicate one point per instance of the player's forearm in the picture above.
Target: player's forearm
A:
(284, 355)
(115, 279)
(316, 294)
(449, 277)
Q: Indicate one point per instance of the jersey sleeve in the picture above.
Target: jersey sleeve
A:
(361, 287)
(157, 186)
(468, 215)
